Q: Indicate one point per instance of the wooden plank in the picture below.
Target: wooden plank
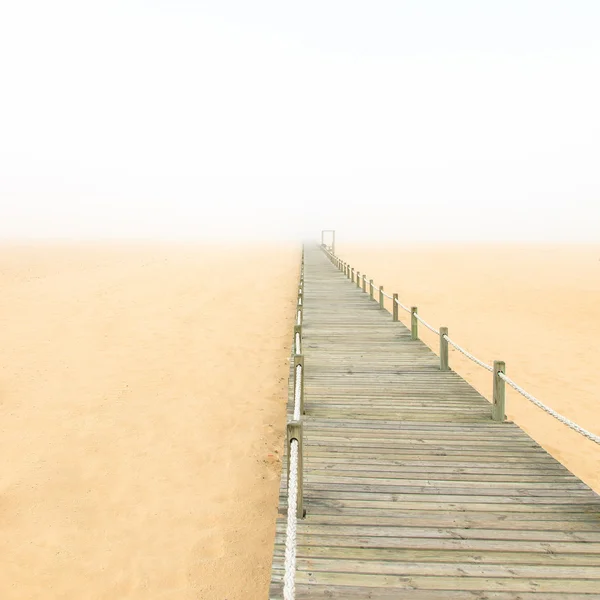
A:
(403, 556)
(327, 592)
(400, 582)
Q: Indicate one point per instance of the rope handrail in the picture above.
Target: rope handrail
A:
(408, 310)
(436, 331)
(588, 434)
(289, 578)
(584, 432)
(297, 392)
(468, 355)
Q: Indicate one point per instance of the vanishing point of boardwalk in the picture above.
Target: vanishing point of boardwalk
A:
(410, 489)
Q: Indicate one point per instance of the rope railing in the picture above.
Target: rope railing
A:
(423, 322)
(498, 370)
(402, 305)
(584, 432)
(289, 578)
(468, 354)
(295, 508)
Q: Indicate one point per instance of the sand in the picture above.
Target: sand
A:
(142, 413)
(537, 307)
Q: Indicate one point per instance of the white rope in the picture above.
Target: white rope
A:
(297, 344)
(405, 308)
(289, 578)
(588, 434)
(469, 355)
(426, 324)
(386, 295)
(299, 300)
(298, 317)
(297, 388)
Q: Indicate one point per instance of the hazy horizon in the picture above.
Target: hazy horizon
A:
(394, 121)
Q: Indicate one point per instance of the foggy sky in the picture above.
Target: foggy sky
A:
(406, 120)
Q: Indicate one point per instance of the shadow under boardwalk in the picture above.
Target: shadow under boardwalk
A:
(411, 490)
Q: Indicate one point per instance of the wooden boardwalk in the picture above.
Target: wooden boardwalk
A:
(411, 491)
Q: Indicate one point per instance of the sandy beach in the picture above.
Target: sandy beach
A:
(537, 307)
(142, 412)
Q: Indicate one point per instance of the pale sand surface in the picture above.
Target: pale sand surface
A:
(142, 412)
(535, 307)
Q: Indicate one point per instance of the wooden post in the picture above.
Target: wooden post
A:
(358, 279)
(381, 296)
(443, 349)
(395, 307)
(299, 315)
(371, 288)
(499, 393)
(414, 324)
(294, 432)
(352, 277)
(364, 283)
(299, 360)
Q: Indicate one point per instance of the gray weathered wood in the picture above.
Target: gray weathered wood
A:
(395, 307)
(443, 349)
(414, 324)
(381, 297)
(499, 392)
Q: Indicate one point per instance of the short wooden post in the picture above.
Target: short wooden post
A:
(299, 315)
(414, 324)
(299, 361)
(358, 279)
(364, 283)
(499, 393)
(395, 307)
(352, 275)
(295, 432)
(371, 288)
(443, 349)
(381, 296)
